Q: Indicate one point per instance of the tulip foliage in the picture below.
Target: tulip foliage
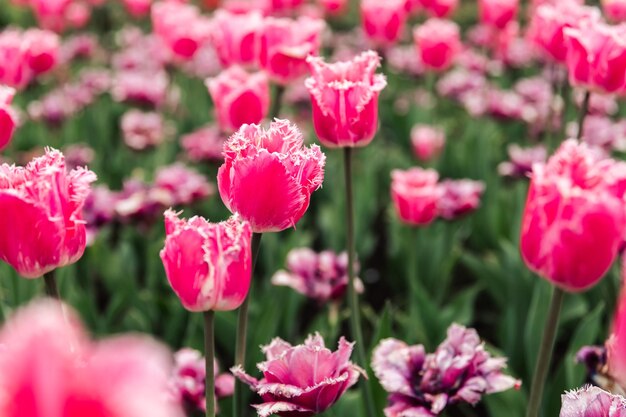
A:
(392, 199)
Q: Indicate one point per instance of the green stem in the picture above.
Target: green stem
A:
(545, 353)
(242, 331)
(277, 101)
(51, 285)
(355, 320)
(209, 354)
(583, 114)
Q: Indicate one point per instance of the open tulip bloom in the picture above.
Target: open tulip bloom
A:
(41, 227)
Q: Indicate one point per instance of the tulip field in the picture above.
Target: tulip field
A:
(343, 208)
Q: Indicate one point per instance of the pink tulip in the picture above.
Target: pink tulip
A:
(177, 185)
(459, 197)
(334, 7)
(204, 144)
(596, 57)
(235, 37)
(189, 377)
(439, 8)
(415, 195)
(547, 23)
(383, 21)
(427, 141)
(137, 8)
(497, 13)
(438, 43)
(239, 97)
(49, 367)
(616, 344)
(615, 10)
(273, 6)
(303, 380)
(574, 219)
(268, 175)
(181, 27)
(142, 130)
(345, 99)
(320, 276)
(207, 264)
(591, 401)
(42, 50)
(285, 45)
(42, 228)
(8, 116)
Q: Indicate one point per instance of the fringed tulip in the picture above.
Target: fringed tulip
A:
(41, 227)
(239, 97)
(420, 384)
(591, 401)
(596, 57)
(204, 144)
(415, 195)
(574, 220)
(268, 175)
(49, 367)
(8, 116)
(427, 141)
(438, 42)
(207, 264)
(383, 21)
(303, 380)
(235, 37)
(345, 99)
(320, 276)
(497, 13)
(615, 10)
(188, 380)
(285, 45)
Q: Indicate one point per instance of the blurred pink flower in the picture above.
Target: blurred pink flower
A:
(78, 155)
(420, 384)
(188, 380)
(239, 97)
(320, 276)
(574, 219)
(285, 45)
(42, 226)
(596, 56)
(590, 401)
(142, 130)
(616, 343)
(8, 116)
(301, 380)
(181, 27)
(497, 13)
(439, 8)
(383, 21)
(345, 99)
(334, 7)
(49, 367)
(137, 8)
(204, 144)
(415, 195)
(235, 37)
(459, 197)
(438, 42)
(404, 59)
(548, 22)
(180, 185)
(427, 141)
(145, 87)
(208, 265)
(521, 160)
(615, 10)
(268, 175)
